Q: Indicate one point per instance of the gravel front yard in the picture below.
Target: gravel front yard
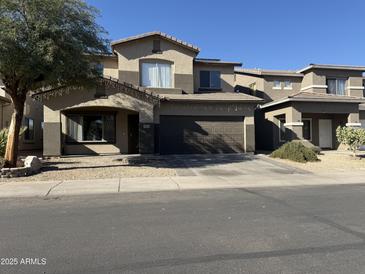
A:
(96, 167)
(330, 161)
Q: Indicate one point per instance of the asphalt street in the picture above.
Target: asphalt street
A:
(244, 230)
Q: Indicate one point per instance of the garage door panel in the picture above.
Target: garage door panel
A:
(201, 134)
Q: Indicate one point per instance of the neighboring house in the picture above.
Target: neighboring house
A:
(32, 138)
(156, 96)
(308, 104)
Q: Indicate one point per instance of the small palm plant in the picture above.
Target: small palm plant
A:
(4, 138)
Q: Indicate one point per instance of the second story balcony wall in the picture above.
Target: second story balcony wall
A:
(338, 80)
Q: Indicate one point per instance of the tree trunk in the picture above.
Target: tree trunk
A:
(11, 153)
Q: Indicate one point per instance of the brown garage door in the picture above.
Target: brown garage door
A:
(201, 134)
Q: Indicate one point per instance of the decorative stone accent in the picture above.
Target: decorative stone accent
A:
(32, 165)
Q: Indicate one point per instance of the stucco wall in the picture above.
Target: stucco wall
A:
(110, 67)
(84, 99)
(275, 94)
(131, 54)
(315, 80)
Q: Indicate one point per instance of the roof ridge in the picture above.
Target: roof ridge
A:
(160, 33)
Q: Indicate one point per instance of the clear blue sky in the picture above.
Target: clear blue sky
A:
(269, 34)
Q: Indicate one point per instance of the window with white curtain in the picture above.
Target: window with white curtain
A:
(156, 75)
(336, 86)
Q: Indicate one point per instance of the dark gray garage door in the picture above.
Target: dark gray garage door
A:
(201, 134)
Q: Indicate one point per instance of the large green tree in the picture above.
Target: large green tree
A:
(44, 44)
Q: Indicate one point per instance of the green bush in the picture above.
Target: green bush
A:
(295, 151)
(352, 137)
(316, 150)
(4, 139)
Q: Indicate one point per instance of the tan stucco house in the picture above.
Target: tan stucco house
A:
(308, 104)
(156, 96)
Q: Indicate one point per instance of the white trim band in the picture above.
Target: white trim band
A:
(353, 124)
(355, 87)
(294, 124)
(313, 86)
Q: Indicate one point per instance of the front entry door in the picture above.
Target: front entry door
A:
(133, 134)
(325, 133)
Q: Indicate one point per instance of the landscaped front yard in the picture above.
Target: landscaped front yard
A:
(96, 167)
(330, 161)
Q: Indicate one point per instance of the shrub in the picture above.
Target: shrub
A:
(4, 139)
(352, 137)
(295, 151)
(316, 149)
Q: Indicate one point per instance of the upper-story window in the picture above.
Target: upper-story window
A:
(288, 84)
(210, 79)
(336, 86)
(156, 75)
(277, 84)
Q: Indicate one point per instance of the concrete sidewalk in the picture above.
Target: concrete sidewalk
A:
(146, 184)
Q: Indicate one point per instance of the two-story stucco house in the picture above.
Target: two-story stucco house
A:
(308, 104)
(156, 96)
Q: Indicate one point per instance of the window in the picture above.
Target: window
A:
(210, 79)
(156, 46)
(277, 84)
(99, 68)
(156, 75)
(288, 85)
(91, 128)
(336, 86)
(282, 130)
(307, 128)
(29, 131)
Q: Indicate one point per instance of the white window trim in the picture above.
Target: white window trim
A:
(290, 87)
(281, 121)
(311, 127)
(275, 87)
(157, 62)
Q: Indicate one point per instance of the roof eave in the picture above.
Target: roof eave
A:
(335, 67)
(315, 100)
(238, 64)
(162, 35)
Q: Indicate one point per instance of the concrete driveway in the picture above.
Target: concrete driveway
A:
(227, 165)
